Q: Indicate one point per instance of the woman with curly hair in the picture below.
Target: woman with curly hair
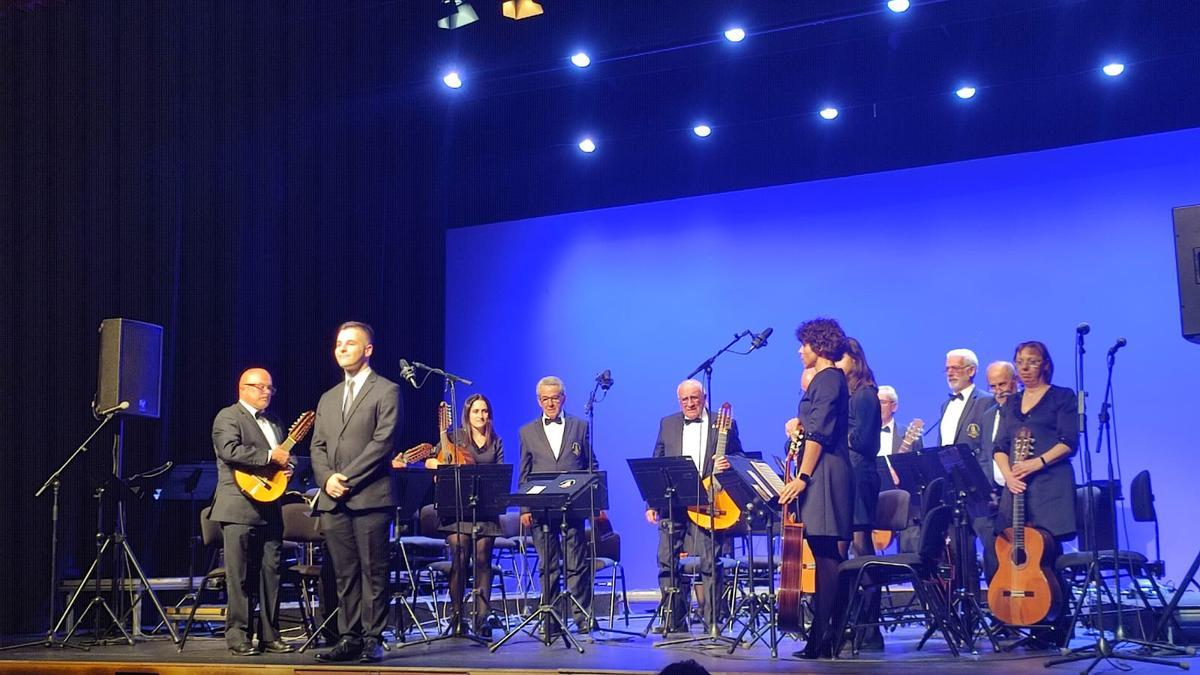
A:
(824, 481)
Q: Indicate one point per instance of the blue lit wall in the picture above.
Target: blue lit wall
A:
(979, 254)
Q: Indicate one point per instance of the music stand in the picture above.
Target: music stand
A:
(666, 484)
(187, 483)
(548, 494)
(911, 471)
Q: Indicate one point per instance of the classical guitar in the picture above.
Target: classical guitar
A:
(798, 568)
(1024, 590)
(724, 510)
(268, 483)
(414, 454)
(881, 539)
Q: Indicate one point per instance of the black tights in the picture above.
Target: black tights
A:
(459, 543)
(827, 556)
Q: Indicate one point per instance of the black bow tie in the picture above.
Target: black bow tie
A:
(956, 397)
(261, 416)
(552, 420)
(686, 421)
(885, 430)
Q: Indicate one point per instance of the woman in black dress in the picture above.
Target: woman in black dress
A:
(865, 422)
(824, 480)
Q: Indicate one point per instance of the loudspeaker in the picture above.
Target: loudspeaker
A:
(1187, 257)
(130, 367)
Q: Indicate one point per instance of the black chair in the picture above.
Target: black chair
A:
(304, 529)
(214, 579)
(892, 511)
(857, 575)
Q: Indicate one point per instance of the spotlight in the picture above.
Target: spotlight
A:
(829, 113)
(581, 60)
(1113, 69)
(898, 6)
(520, 9)
(965, 92)
(702, 130)
(735, 35)
(461, 13)
(587, 145)
(452, 80)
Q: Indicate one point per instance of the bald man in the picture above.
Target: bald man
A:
(245, 437)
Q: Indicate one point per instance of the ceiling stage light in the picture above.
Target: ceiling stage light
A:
(829, 113)
(460, 14)
(520, 9)
(735, 34)
(702, 130)
(1113, 69)
(898, 6)
(965, 92)
(581, 60)
(587, 145)
(452, 80)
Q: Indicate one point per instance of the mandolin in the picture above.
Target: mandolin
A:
(798, 568)
(450, 453)
(881, 539)
(1024, 590)
(268, 483)
(724, 510)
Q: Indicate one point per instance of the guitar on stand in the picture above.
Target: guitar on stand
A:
(798, 571)
(881, 539)
(268, 483)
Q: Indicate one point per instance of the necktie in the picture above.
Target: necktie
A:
(956, 397)
(349, 399)
(555, 420)
(686, 421)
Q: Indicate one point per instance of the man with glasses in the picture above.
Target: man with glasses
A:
(553, 443)
(245, 437)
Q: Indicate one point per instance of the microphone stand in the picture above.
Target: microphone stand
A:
(708, 363)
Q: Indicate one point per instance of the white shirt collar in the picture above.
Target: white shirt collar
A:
(250, 409)
(359, 379)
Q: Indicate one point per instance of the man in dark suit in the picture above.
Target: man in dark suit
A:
(891, 435)
(689, 433)
(246, 438)
(962, 421)
(351, 455)
(1002, 381)
(557, 442)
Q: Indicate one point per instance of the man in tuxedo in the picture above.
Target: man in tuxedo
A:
(246, 438)
(1002, 381)
(962, 421)
(891, 435)
(689, 433)
(557, 442)
(351, 453)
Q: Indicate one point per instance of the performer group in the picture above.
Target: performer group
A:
(845, 418)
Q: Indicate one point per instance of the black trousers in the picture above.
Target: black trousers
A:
(251, 571)
(357, 541)
(677, 534)
(550, 545)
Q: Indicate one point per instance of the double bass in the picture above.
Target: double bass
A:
(797, 574)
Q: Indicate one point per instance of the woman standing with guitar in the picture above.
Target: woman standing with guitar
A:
(1045, 477)
(824, 482)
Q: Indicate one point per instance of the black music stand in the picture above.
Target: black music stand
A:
(667, 484)
(912, 473)
(191, 483)
(560, 494)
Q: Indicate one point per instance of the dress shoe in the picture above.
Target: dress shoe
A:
(245, 649)
(872, 640)
(276, 647)
(345, 650)
(372, 651)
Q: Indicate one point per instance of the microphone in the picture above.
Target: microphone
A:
(124, 405)
(760, 340)
(407, 372)
(1083, 328)
(1113, 351)
(605, 379)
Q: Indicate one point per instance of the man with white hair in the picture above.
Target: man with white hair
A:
(1002, 382)
(891, 436)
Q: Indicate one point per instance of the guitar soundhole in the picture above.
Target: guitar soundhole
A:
(1019, 557)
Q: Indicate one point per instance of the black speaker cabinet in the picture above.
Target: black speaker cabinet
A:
(130, 367)
(1187, 257)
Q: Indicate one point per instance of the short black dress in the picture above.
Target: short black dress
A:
(828, 501)
(492, 453)
(865, 423)
(1050, 493)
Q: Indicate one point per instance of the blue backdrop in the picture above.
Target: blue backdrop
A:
(980, 254)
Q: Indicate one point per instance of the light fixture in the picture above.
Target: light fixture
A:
(965, 92)
(452, 80)
(735, 34)
(520, 9)
(829, 113)
(702, 130)
(1113, 69)
(898, 6)
(461, 13)
(587, 145)
(581, 60)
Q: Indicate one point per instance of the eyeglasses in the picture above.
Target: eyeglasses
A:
(957, 369)
(550, 399)
(264, 388)
(1033, 363)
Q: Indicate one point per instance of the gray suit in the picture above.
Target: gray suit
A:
(252, 531)
(575, 455)
(356, 526)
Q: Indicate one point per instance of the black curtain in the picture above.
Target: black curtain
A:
(216, 170)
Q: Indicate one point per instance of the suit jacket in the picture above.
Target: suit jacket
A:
(360, 447)
(670, 440)
(989, 443)
(971, 428)
(537, 457)
(240, 443)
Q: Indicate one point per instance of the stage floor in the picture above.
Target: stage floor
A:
(525, 655)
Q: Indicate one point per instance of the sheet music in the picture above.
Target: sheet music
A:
(768, 475)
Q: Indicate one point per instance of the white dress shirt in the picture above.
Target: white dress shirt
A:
(954, 411)
(999, 477)
(695, 440)
(263, 424)
(554, 434)
(885, 438)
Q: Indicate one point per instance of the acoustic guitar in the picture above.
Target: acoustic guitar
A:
(450, 453)
(414, 454)
(724, 510)
(1024, 590)
(881, 539)
(267, 483)
(798, 567)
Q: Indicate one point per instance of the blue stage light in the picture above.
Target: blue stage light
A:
(965, 92)
(581, 60)
(702, 130)
(452, 80)
(735, 34)
(1113, 69)
(829, 113)
(898, 6)
(587, 145)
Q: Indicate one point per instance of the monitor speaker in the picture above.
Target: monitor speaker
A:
(1187, 257)
(130, 367)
